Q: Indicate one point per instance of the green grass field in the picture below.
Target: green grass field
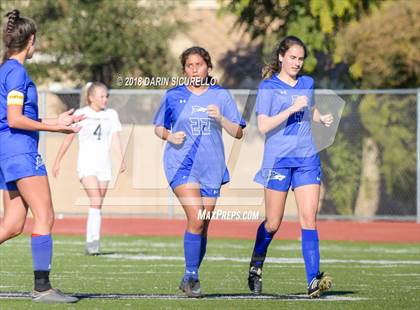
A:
(145, 272)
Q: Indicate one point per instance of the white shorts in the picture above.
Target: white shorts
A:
(102, 175)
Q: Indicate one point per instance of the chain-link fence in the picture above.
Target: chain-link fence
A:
(368, 157)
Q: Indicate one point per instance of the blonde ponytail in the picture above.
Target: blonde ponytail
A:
(87, 91)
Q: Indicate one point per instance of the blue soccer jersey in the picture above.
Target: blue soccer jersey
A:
(17, 88)
(291, 143)
(202, 152)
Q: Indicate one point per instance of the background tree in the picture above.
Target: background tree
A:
(382, 50)
(378, 41)
(98, 39)
(316, 22)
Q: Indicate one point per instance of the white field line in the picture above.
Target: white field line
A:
(214, 244)
(289, 247)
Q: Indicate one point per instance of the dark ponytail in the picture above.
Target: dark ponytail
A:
(285, 44)
(17, 31)
(11, 20)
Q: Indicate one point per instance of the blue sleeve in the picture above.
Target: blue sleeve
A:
(163, 115)
(230, 110)
(15, 80)
(264, 98)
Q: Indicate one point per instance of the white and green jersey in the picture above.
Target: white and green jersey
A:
(95, 138)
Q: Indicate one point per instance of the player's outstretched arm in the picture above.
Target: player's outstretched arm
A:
(65, 118)
(61, 152)
(17, 120)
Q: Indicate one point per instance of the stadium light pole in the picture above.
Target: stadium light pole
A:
(418, 156)
(42, 115)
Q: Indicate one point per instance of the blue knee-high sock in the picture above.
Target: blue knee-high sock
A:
(192, 245)
(203, 249)
(262, 241)
(310, 252)
(41, 252)
(42, 246)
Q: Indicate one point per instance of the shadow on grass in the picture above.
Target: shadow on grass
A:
(333, 295)
(119, 253)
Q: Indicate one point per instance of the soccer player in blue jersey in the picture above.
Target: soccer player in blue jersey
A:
(285, 108)
(23, 176)
(191, 119)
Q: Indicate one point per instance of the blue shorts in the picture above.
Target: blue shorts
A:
(18, 167)
(186, 175)
(281, 179)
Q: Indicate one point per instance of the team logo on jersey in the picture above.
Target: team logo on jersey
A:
(197, 109)
(283, 92)
(274, 175)
(182, 100)
(39, 162)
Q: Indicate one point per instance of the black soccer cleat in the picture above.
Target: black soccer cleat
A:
(255, 280)
(319, 284)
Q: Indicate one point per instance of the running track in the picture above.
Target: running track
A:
(379, 231)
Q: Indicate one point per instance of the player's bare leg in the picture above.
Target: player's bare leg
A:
(190, 198)
(14, 216)
(103, 188)
(35, 191)
(209, 204)
(275, 202)
(307, 198)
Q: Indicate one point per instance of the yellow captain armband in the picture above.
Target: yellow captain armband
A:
(15, 98)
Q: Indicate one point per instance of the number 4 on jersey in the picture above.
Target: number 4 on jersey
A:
(97, 132)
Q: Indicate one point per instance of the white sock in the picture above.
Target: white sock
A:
(93, 227)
